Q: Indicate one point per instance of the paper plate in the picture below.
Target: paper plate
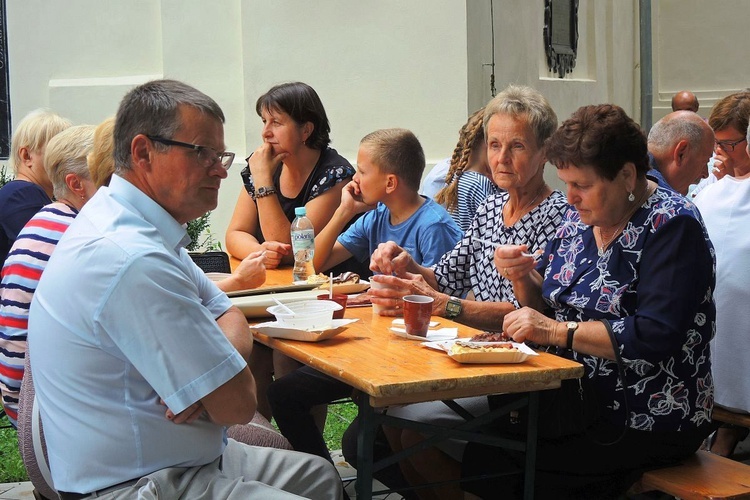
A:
(217, 276)
(347, 288)
(272, 329)
(481, 357)
(255, 306)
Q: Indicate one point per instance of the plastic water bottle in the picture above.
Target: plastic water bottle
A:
(303, 245)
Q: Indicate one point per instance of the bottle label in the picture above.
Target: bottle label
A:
(303, 240)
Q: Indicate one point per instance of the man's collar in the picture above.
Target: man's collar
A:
(174, 233)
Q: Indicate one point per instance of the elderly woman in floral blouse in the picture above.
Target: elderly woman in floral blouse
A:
(637, 255)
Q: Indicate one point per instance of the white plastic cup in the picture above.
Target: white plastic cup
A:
(377, 308)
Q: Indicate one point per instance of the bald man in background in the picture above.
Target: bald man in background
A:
(679, 146)
(685, 100)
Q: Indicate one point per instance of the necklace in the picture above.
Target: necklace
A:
(523, 210)
(605, 242)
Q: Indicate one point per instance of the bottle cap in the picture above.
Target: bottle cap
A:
(300, 211)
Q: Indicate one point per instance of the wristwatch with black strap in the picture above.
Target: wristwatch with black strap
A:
(572, 327)
(453, 308)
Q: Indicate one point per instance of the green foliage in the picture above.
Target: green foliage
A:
(5, 177)
(201, 228)
(339, 418)
(11, 465)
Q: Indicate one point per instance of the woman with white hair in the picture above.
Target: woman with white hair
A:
(30, 190)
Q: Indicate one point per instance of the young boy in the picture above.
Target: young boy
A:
(389, 168)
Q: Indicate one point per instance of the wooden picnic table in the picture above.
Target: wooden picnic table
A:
(392, 370)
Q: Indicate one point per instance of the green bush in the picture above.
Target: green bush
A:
(11, 465)
(201, 228)
(5, 177)
(339, 418)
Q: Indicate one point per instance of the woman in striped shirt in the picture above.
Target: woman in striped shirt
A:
(66, 166)
(469, 180)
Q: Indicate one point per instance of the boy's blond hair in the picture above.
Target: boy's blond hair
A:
(397, 151)
(34, 132)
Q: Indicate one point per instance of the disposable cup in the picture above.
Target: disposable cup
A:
(338, 298)
(417, 312)
(377, 308)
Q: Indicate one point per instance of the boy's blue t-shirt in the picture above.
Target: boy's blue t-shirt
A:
(427, 235)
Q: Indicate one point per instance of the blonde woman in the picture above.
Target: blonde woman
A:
(31, 189)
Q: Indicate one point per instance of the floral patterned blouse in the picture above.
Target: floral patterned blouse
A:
(655, 284)
(331, 169)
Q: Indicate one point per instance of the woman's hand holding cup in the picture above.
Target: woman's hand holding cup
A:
(387, 292)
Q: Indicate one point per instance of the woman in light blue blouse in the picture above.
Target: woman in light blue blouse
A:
(638, 256)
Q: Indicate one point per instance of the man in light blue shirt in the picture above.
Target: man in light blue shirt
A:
(139, 359)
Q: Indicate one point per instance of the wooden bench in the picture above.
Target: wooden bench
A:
(730, 417)
(702, 476)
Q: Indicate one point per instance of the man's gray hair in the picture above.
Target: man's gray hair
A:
(153, 109)
(668, 131)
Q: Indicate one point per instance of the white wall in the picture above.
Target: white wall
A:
(375, 64)
(699, 46)
(604, 71)
(419, 64)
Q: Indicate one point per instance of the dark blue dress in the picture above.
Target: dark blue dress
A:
(19, 202)
(655, 284)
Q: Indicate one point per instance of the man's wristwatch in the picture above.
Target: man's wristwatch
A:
(264, 191)
(572, 327)
(453, 308)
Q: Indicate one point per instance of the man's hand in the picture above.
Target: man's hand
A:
(187, 416)
(251, 272)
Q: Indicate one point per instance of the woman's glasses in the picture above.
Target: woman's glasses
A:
(728, 146)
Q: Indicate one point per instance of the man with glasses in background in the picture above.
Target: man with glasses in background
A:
(139, 359)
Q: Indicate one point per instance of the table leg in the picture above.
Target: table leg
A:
(365, 449)
(531, 440)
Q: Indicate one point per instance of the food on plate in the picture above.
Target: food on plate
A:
(464, 348)
(490, 337)
(362, 299)
(317, 279)
(341, 279)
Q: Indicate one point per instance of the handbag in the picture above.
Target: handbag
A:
(571, 410)
(212, 262)
(568, 411)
